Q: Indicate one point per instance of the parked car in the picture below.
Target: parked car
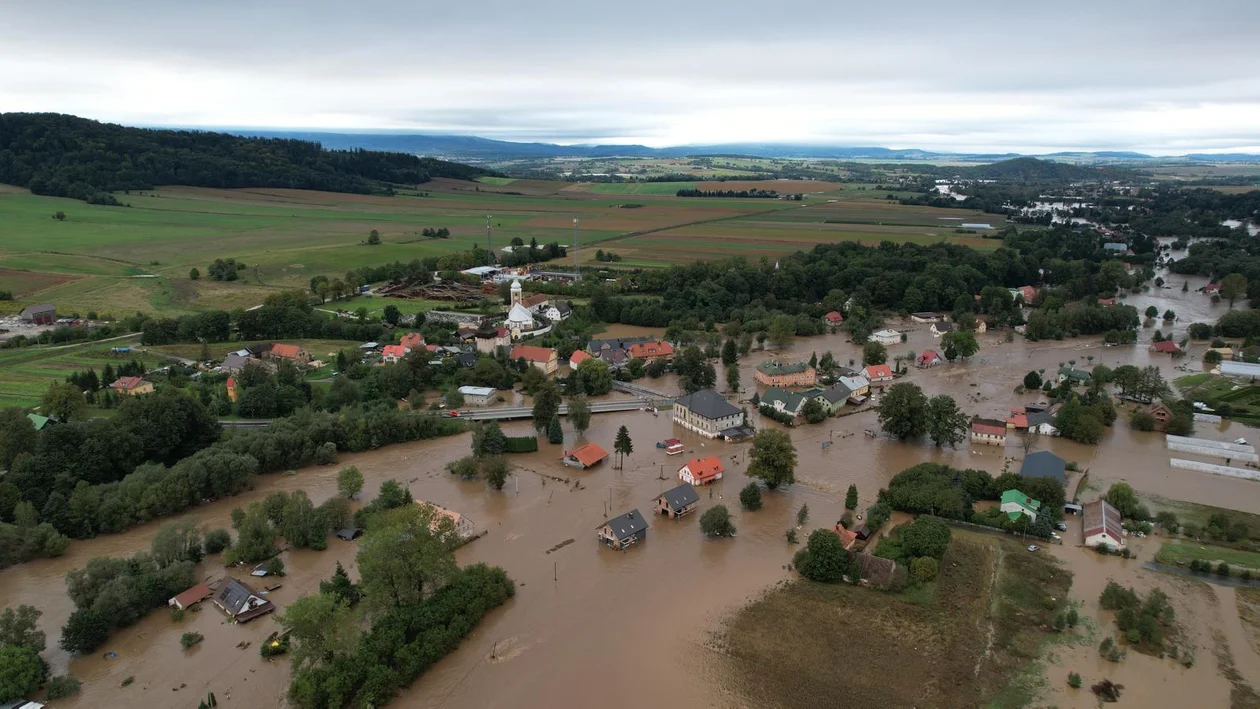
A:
(1033, 547)
(1055, 536)
(1061, 526)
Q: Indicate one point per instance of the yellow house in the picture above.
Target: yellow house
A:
(132, 386)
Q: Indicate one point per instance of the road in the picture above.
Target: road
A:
(524, 412)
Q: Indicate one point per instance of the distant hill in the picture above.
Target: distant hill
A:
(67, 156)
(1034, 170)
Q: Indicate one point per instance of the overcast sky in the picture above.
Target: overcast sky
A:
(973, 75)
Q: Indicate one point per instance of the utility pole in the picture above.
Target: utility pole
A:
(489, 248)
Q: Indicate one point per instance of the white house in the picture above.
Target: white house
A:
(706, 413)
(477, 396)
(1101, 523)
(556, 312)
(940, 328)
(1015, 504)
(886, 337)
(988, 431)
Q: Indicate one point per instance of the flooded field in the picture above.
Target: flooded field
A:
(632, 629)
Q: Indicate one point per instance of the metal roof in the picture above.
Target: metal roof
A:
(707, 403)
(626, 525)
(1044, 464)
(680, 496)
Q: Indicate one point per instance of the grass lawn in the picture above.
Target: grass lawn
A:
(1198, 515)
(26, 372)
(1186, 551)
(871, 641)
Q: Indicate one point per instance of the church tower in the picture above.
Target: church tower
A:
(516, 292)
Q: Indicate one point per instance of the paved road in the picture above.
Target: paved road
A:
(524, 412)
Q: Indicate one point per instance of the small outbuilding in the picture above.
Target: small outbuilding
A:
(349, 534)
(677, 502)
(623, 530)
(44, 314)
(585, 457)
(191, 597)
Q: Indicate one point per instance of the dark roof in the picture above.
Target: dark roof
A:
(1044, 464)
(944, 327)
(836, 393)
(36, 309)
(234, 597)
(1036, 418)
(466, 359)
(627, 525)
(563, 307)
(707, 403)
(680, 497)
(349, 533)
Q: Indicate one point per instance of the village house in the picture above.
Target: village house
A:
(393, 353)
(832, 398)
(1015, 504)
(544, 358)
(1042, 422)
(555, 312)
(1076, 376)
(132, 386)
(677, 502)
(701, 471)
(784, 401)
(652, 351)
(1160, 413)
(191, 597)
(236, 361)
(1115, 247)
(847, 537)
(878, 373)
(1212, 289)
(412, 340)
(585, 456)
(1044, 464)
(928, 358)
(941, 328)
(477, 396)
(1028, 293)
(982, 325)
(834, 318)
(464, 527)
(489, 340)
(1165, 347)
(924, 318)
(232, 392)
(614, 358)
(1101, 525)
(886, 337)
(536, 303)
(858, 386)
(293, 353)
(623, 530)
(792, 374)
(40, 422)
(44, 314)
(706, 413)
(988, 431)
(577, 357)
(240, 602)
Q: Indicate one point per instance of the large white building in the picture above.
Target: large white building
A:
(1101, 524)
(706, 413)
(886, 337)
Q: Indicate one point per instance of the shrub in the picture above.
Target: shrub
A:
(1074, 680)
(791, 535)
(750, 496)
(217, 540)
(521, 444)
(177, 614)
(187, 640)
(326, 454)
(1245, 575)
(823, 558)
(1142, 421)
(465, 468)
(923, 569)
(274, 566)
(1105, 646)
(63, 686)
(1073, 617)
(1222, 569)
(716, 522)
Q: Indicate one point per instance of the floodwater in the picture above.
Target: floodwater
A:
(632, 628)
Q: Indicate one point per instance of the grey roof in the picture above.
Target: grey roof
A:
(626, 525)
(615, 343)
(944, 327)
(563, 307)
(466, 359)
(349, 533)
(1044, 464)
(836, 393)
(1115, 246)
(1036, 418)
(36, 309)
(707, 403)
(235, 361)
(680, 497)
(234, 596)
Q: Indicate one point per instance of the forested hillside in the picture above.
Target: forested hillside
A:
(67, 156)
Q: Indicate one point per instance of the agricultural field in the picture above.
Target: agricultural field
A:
(120, 260)
(1185, 551)
(25, 373)
(964, 641)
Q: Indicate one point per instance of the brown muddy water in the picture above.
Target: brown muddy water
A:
(631, 628)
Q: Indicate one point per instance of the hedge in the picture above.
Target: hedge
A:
(521, 444)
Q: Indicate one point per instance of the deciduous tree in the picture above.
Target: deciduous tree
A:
(716, 522)
(773, 458)
(349, 482)
(946, 423)
(903, 411)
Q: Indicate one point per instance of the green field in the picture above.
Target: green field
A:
(120, 260)
(1184, 552)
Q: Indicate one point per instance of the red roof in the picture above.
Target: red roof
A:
(643, 350)
(197, 593)
(1029, 293)
(705, 469)
(1212, 288)
(1167, 346)
(847, 537)
(127, 382)
(412, 340)
(927, 356)
(578, 357)
(834, 316)
(286, 351)
(393, 351)
(231, 382)
(878, 371)
(536, 299)
(588, 455)
(1018, 420)
(989, 428)
(531, 353)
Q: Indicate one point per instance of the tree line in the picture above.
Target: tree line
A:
(728, 194)
(66, 156)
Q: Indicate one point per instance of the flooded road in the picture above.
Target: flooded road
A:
(594, 626)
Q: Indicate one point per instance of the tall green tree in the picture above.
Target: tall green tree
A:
(593, 377)
(851, 498)
(623, 446)
(555, 434)
(406, 554)
(903, 411)
(22, 671)
(19, 627)
(716, 522)
(488, 439)
(17, 435)
(782, 331)
(874, 353)
(341, 587)
(63, 401)
(732, 378)
(546, 404)
(177, 540)
(773, 458)
(959, 343)
(321, 627)
(729, 352)
(349, 482)
(1233, 287)
(579, 414)
(946, 423)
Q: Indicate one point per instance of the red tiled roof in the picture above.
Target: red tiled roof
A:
(643, 350)
(578, 357)
(532, 353)
(412, 340)
(197, 593)
(847, 537)
(990, 428)
(287, 351)
(393, 351)
(834, 316)
(878, 371)
(928, 356)
(705, 468)
(127, 382)
(1018, 420)
(1165, 346)
(536, 299)
(588, 455)
(231, 382)
(1211, 288)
